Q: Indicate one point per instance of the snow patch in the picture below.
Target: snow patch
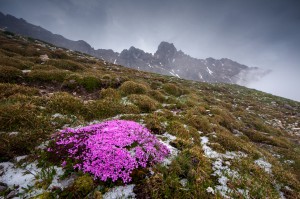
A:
(125, 101)
(19, 158)
(221, 169)
(200, 76)
(165, 139)
(26, 71)
(264, 165)
(209, 71)
(120, 192)
(22, 177)
(210, 190)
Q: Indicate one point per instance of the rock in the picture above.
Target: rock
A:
(287, 106)
(2, 188)
(44, 57)
(237, 132)
(72, 81)
(12, 194)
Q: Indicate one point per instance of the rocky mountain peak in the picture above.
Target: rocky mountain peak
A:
(166, 60)
(165, 52)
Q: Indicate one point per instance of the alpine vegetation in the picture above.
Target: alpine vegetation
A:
(108, 150)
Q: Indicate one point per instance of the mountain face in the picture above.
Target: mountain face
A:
(166, 60)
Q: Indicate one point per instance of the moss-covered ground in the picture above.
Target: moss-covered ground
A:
(212, 125)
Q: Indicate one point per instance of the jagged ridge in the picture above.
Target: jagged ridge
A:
(166, 60)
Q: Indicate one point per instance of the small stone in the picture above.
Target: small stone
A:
(13, 133)
(12, 194)
(44, 57)
(2, 188)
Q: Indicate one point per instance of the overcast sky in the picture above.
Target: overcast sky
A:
(260, 33)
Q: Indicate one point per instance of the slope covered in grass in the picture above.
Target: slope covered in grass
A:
(225, 140)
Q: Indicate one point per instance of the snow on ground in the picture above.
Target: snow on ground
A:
(264, 165)
(221, 168)
(26, 71)
(58, 115)
(165, 139)
(183, 182)
(25, 177)
(126, 101)
(22, 177)
(120, 192)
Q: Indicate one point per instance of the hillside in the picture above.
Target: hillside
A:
(167, 60)
(225, 140)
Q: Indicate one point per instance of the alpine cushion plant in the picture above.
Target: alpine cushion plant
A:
(108, 150)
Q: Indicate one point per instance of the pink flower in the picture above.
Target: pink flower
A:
(109, 150)
(64, 163)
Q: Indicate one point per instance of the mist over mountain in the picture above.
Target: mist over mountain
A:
(166, 60)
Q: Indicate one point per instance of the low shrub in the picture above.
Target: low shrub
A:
(83, 185)
(90, 83)
(173, 89)
(108, 150)
(10, 74)
(110, 93)
(65, 103)
(153, 122)
(199, 122)
(15, 62)
(177, 128)
(66, 64)
(101, 109)
(145, 103)
(130, 87)
(20, 115)
(157, 95)
(7, 90)
(47, 75)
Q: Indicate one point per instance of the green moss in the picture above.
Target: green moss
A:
(110, 93)
(173, 89)
(106, 108)
(10, 74)
(154, 123)
(130, 87)
(66, 64)
(48, 76)
(91, 83)
(65, 103)
(45, 195)
(178, 129)
(83, 185)
(199, 122)
(145, 103)
(7, 90)
(181, 144)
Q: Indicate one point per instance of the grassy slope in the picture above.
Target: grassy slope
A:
(82, 89)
